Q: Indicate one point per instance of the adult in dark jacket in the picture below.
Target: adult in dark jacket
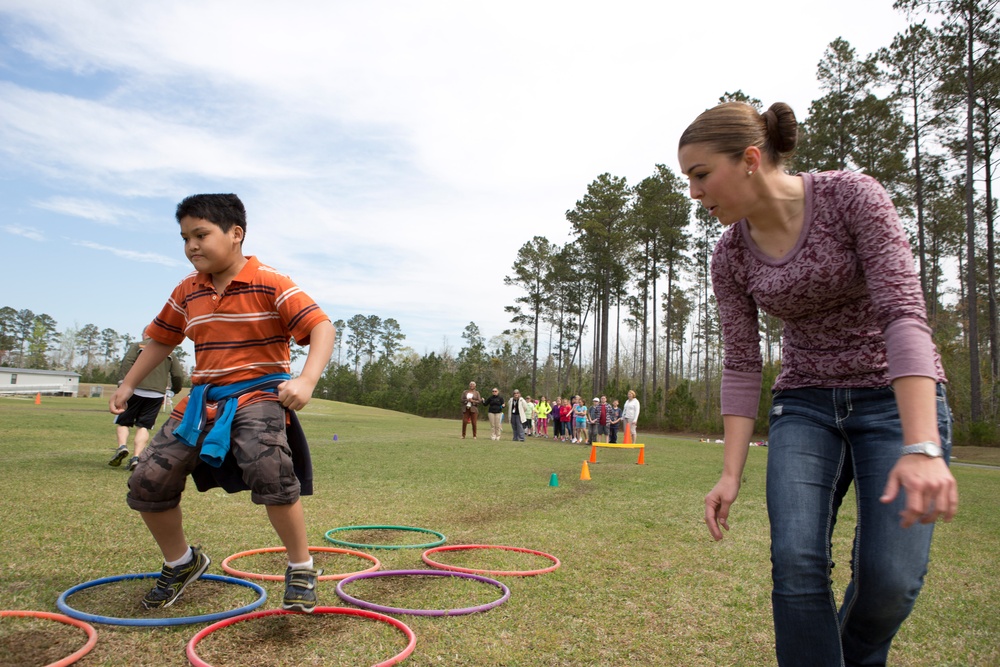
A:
(494, 410)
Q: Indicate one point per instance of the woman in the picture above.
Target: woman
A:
(494, 411)
(630, 414)
(860, 396)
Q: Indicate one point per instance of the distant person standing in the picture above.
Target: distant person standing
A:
(494, 411)
(614, 421)
(630, 414)
(566, 419)
(529, 416)
(516, 409)
(145, 403)
(470, 408)
(542, 411)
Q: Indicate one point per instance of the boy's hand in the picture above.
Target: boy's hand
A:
(119, 400)
(294, 394)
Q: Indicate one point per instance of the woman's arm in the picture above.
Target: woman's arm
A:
(931, 490)
(738, 431)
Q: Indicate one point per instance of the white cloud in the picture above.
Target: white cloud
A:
(26, 232)
(131, 255)
(88, 209)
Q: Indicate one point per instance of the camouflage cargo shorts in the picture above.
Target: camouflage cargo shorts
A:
(257, 441)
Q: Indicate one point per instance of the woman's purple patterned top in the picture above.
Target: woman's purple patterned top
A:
(848, 294)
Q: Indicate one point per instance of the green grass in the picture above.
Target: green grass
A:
(641, 582)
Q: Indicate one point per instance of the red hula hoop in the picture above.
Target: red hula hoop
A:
(280, 577)
(86, 627)
(396, 659)
(502, 573)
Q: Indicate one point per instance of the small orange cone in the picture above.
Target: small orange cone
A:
(642, 457)
(628, 435)
(585, 472)
(593, 454)
(38, 398)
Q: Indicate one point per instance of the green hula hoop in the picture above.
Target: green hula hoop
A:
(441, 538)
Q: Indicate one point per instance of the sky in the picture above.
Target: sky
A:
(393, 155)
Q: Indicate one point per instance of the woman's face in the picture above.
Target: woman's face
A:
(718, 181)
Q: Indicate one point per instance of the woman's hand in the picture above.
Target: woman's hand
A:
(931, 490)
(717, 504)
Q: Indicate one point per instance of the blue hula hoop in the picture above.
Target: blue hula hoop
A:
(152, 622)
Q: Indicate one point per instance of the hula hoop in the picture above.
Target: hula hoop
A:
(441, 538)
(422, 612)
(49, 616)
(155, 622)
(204, 632)
(498, 573)
(280, 577)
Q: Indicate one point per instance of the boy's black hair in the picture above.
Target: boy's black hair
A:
(224, 210)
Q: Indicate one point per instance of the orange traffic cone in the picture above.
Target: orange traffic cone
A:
(642, 457)
(38, 398)
(585, 472)
(628, 435)
(593, 453)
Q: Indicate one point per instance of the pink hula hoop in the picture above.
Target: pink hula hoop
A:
(502, 573)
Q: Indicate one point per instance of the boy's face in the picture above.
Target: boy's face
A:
(208, 248)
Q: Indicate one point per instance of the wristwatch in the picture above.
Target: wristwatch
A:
(927, 448)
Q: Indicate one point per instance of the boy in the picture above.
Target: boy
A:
(614, 418)
(240, 315)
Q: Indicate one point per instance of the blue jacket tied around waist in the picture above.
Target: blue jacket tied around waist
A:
(222, 469)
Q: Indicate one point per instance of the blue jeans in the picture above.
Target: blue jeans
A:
(820, 441)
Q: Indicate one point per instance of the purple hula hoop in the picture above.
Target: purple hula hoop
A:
(423, 573)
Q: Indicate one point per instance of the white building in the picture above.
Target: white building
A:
(34, 381)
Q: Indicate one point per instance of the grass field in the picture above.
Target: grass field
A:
(641, 582)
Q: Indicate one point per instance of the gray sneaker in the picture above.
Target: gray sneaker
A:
(120, 455)
(300, 589)
(173, 580)
(132, 463)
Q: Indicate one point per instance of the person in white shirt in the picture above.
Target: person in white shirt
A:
(630, 414)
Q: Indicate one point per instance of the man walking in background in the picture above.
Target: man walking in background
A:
(145, 403)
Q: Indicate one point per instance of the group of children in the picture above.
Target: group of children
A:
(571, 419)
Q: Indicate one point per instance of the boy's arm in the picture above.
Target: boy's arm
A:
(151, 357)
(294, 394)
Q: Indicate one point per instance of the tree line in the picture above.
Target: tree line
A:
(30, 340)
